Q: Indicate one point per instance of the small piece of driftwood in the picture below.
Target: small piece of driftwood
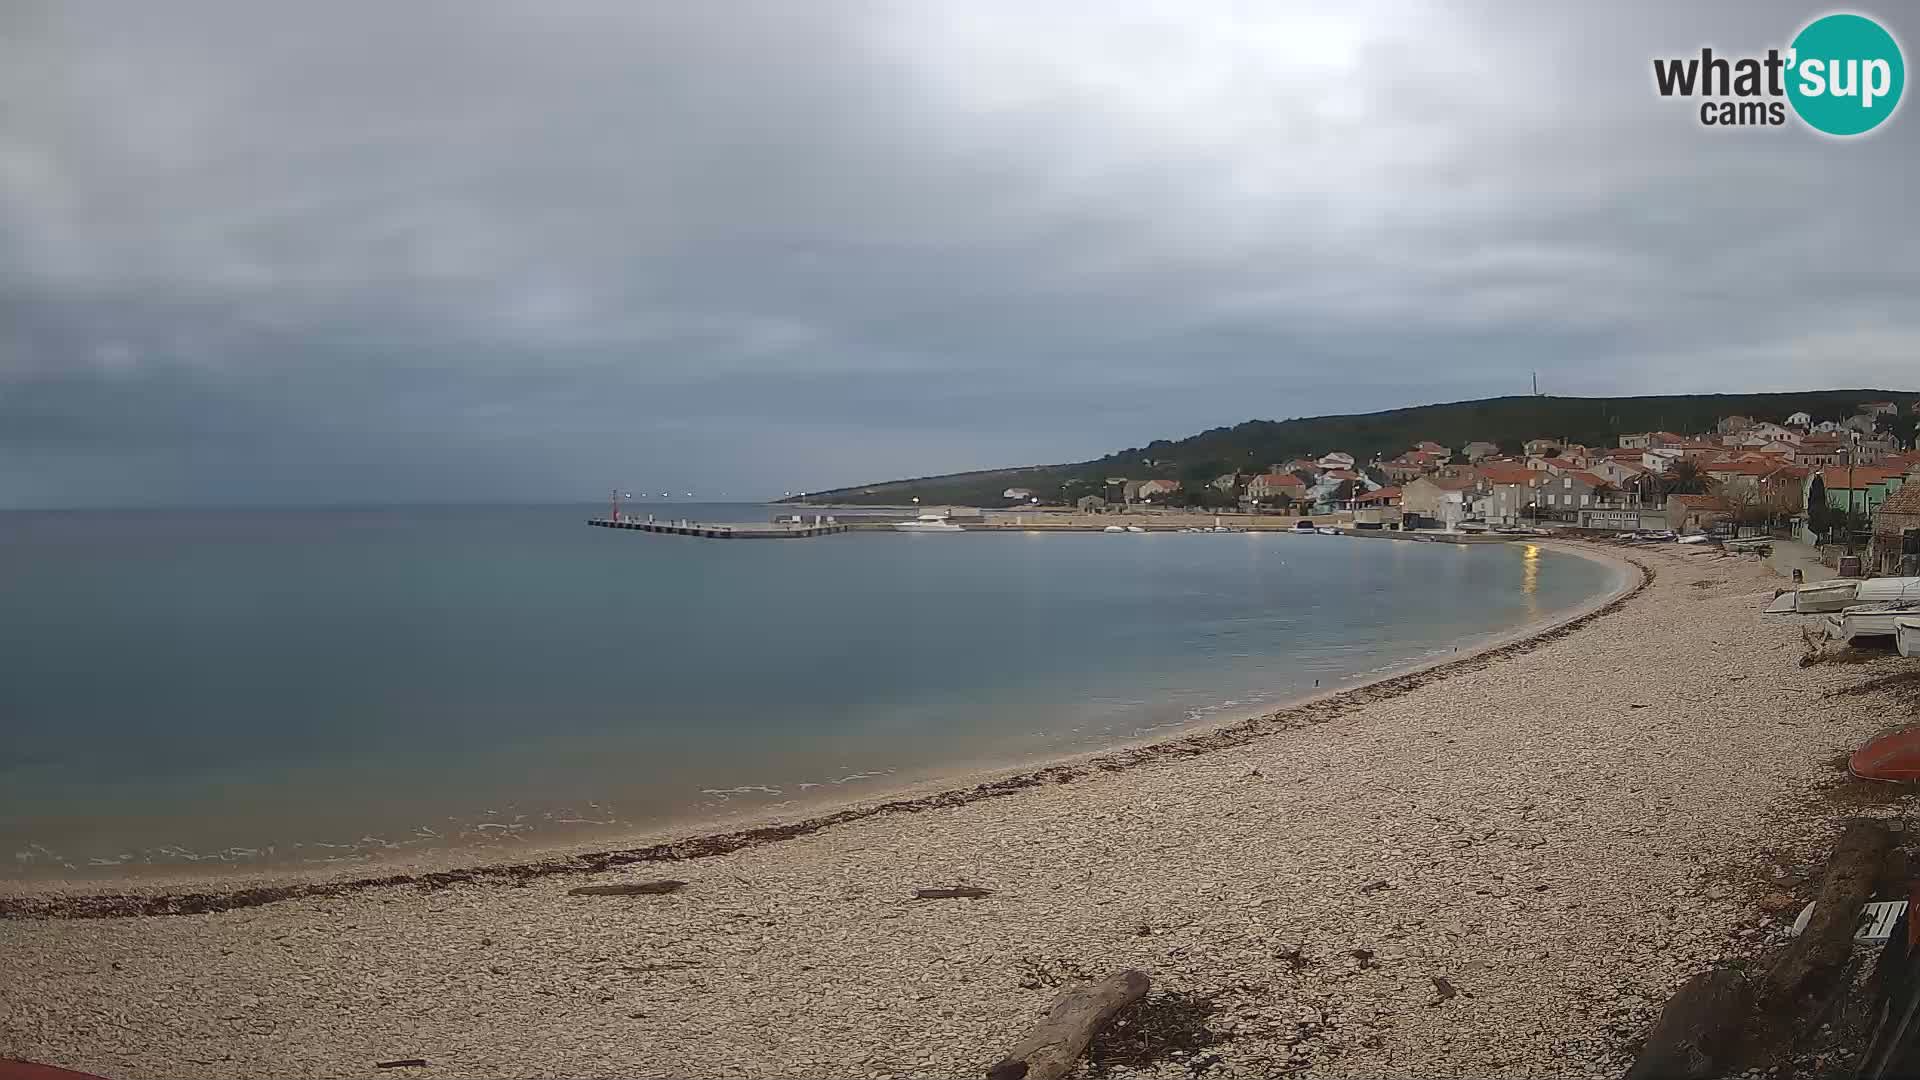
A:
(639, 888)
(1699, 1031)
(1822, 949)
(956, 892)
(1050, 1049)
(403, 1063)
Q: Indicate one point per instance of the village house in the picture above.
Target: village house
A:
(1335, 460)
(1859, 489)
(1022, 494)
(1896, 533)
(1271, 486)
(1151, 489)
(1744, 474)
(1412, 465)
(1651, 440)
(1696, 513)
(1618, 471)
(1533, 447)
(1512, 492)
(1563, 495)
(1426, 446)
(1874, 408)
(1475, 451)
(1822, 449)
(1090, 504)
(1226, 482)
(1800, 420)
(1733, 425)
(1441, 498)
(1378, 509)
(1771, 432)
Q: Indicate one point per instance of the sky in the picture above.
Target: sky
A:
(363, 251)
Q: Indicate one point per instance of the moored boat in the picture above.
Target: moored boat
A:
(931, 521)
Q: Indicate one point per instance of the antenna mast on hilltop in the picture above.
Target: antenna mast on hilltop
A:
(1536, 384)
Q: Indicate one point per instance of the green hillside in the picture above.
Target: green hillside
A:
(1252, 446)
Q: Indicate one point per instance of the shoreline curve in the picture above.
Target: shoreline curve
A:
(1307, 712)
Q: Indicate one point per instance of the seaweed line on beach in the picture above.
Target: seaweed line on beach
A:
(123, 905)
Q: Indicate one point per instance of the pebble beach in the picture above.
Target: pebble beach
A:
(1498, 867)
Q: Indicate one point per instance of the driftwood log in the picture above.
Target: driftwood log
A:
(1699, 1031)
(1050, 1049)
(639, 888)
(1821, 950)
(956, 892)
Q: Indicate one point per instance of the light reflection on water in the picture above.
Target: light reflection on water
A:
(1530, 576)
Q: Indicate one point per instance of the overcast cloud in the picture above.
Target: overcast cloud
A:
(387, 251)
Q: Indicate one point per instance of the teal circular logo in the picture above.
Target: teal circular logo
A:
(1846, 74)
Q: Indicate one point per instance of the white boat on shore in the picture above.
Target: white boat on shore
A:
(1325, 530)
(1816, 598)
(1135, 528)
(1906, 635)
(932, 521)
(1868, 620)
(1888, 590)
(1114, 529)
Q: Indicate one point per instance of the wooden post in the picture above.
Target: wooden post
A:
(1823, 948)
(1049, 1051)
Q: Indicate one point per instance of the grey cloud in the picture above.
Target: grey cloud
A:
(457, 250)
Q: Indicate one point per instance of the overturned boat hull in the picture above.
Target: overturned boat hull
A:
(1893, 758)
(1861, 621)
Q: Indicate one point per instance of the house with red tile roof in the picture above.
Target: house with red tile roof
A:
(1443, 496)
(1697, 513)
(1275, 484)
(1155, 488)
(1859, 488)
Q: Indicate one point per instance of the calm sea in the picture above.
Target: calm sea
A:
(237, 689)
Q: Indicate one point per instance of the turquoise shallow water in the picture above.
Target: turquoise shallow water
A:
(220, 689)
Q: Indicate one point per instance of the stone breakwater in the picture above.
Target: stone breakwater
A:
(1498, 866)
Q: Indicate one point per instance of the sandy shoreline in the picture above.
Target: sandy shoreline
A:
(98, 896)
(1561, 828)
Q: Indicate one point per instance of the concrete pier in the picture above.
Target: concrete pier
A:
(724, 531)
